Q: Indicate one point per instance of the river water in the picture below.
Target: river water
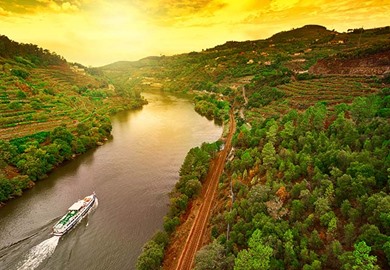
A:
(131, 174)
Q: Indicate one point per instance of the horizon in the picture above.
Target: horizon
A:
(81, 30)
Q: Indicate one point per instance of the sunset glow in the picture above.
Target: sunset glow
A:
(99, 32)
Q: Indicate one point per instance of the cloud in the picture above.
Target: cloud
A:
(278, 5)
(42, 6)
(4, 13)
(173, 12)
(97, 32)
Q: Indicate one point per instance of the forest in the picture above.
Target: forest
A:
(307, 182)
(310, 191)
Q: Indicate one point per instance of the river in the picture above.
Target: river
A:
(131, 174)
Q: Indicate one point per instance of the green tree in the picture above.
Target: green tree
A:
(6, 189)
(364, 107)
(362, 258)
(268, 154)
(192, 188)
(257, 256)
(212, 256)
(151, 256)
(62, 133)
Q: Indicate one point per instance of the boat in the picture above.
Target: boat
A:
(75, 214)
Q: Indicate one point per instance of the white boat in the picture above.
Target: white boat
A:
(75, 214)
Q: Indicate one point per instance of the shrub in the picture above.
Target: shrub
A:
(20, 73)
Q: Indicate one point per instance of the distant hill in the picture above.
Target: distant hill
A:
(234, 63)
(29, 54)
(306, 33)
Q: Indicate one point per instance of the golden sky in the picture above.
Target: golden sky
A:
(99, 32)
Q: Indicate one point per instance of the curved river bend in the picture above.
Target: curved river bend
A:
(131, 174)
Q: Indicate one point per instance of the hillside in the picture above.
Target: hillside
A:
(306, 185)
(234, 64)
(40, 95)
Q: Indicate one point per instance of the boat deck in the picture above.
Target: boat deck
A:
(68, 216)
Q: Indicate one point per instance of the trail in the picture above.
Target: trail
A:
(194, 239)
(245, 103)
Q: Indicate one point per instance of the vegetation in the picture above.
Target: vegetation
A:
(307, 184)
(50, 111)
(315, 185)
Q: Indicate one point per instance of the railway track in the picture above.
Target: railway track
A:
(194, 239)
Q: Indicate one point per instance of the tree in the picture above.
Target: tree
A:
(6, 189)
(192, 188)
(268, 154)
(212, 256)
(246, 160)
(34, 162)
(349, 233)
(363, 108)
(288, 131)
(257, 256)
(62, 133)
(290, 257)
(151, 256)
(170, 224)
(362, 258)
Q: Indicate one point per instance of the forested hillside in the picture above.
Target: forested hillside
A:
(50, 111)
(307, 183)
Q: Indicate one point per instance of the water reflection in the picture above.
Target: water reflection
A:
(131, 174)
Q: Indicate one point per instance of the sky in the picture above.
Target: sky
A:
(100, 32)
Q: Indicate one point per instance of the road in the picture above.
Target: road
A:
(194, 239)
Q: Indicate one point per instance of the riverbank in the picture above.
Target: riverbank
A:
(186, 221)
(25, 160)
(132, 174)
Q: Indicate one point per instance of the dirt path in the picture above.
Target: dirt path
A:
(194, 239)
(245, 103)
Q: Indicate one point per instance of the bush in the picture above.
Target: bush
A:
(151, 256)
(20, 73)
(14, 105)
(170, 224)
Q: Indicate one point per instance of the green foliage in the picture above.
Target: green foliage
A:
(212, 256)
(256, 257)
(15, 105)
(335, 183)
(264, 96)
(61, 133)
(268, 154)
(212, 108)
(6, 189)
(151, 256)
(362, 258)
(23, 74)
(161, 238)
(170, 224)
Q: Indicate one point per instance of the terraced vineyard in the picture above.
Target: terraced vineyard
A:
(331, 90)
(50, 97)
(50, 110)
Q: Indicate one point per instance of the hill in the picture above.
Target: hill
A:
(306, 185)
(236, 63)
(42, 95)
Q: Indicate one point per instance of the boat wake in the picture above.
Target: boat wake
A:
(39, 253)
